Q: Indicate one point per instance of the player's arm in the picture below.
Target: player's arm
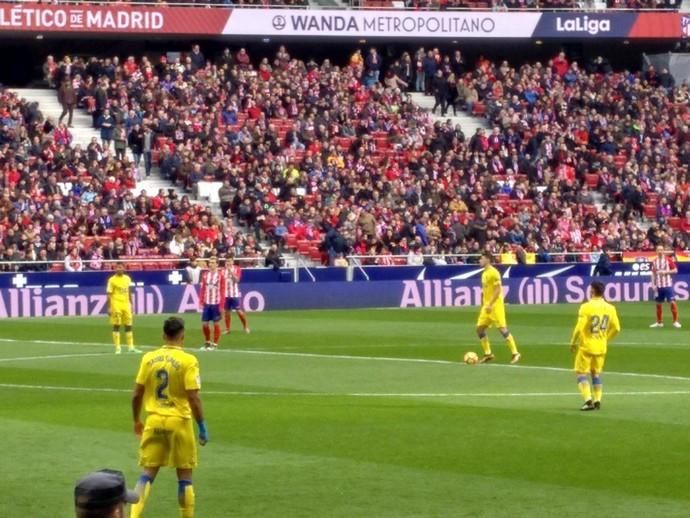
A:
(192, 383)
(109, 294)
(137, 401)
(198, 413)
(579, 328)
(202, 291)
(654, 274)
(614, 325)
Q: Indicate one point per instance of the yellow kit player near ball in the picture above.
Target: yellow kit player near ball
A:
(120, 308)
(597, 324)
(493, 312)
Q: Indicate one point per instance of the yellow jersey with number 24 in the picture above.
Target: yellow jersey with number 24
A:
(597, 323)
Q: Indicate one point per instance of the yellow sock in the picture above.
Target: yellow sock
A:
(129, 336)
(144, 490)
(584, 387)
(597, 388)
(186, 498)
(510, 341)
(116, 340)
(485, 344)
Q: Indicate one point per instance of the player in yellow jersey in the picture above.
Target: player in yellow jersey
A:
(120, 308)
(168, 385)
(597, 324)
(493, 312)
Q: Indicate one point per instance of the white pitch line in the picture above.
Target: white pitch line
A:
(50, 357)
(362, 358)
(420, 395)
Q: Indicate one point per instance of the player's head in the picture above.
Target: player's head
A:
(120, 268)
(660, 251)
(597, 289)
(102, 494)
(213, 263)
(230, 261)
(486, 259)
(173, 330)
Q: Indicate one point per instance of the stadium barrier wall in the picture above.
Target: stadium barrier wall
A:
(326, 274)
(124, 19)
(155, 299)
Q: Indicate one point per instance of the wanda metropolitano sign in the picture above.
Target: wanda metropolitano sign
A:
(305, 23)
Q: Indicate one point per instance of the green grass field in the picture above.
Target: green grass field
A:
(362, 414)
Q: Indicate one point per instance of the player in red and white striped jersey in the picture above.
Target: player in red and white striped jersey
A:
(663, 268)
(211, 296)
(233, 274)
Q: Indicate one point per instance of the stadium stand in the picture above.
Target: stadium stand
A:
(328, 161)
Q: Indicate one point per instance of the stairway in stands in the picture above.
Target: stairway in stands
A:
(82, 132)
(469, 123)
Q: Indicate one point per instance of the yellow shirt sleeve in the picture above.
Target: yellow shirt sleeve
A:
(614, 324)
(579, 326)
(109, 288)
(141, 375)
(192, 379)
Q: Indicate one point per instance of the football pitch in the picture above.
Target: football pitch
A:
(365, 413)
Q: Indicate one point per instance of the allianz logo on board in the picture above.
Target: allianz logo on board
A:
(584, 23)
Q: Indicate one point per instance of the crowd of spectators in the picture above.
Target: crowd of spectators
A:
(336, 160)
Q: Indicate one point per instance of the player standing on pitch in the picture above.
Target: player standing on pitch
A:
(663, 267)
(212, 292)
(120, 308)
(597, 324)
(493, 312)
(167, 385)
(233, 274)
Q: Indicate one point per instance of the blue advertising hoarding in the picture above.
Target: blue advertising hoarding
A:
(155, 299)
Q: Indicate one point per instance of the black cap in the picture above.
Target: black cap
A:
(102, 489)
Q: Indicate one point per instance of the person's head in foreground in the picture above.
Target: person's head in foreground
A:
(173, 331)
(102, 494)
(597, 289)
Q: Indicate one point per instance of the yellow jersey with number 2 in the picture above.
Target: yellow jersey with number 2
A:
(597, 323)
(167, 374)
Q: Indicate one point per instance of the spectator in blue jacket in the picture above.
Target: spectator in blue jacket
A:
(372, 65)
(107, 124)
(429, 66)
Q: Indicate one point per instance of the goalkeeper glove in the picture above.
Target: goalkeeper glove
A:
(203, 432)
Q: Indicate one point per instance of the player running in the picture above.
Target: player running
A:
(120, 308)
(212, 292)
(168, 385)
(597, 324)
(663, 268)
(233, 274)
(493, 312)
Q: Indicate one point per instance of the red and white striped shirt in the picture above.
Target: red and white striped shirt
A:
(232, 286)
(662, 264)
(212, 287)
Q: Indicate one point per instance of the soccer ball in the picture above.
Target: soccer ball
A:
(471, 358)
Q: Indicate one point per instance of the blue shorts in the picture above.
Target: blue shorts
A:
(232, 303)
(211, 313)
(665, 295)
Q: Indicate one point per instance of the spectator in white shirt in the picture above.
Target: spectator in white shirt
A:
(415, 257)
(193, 272)
(73, 262)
